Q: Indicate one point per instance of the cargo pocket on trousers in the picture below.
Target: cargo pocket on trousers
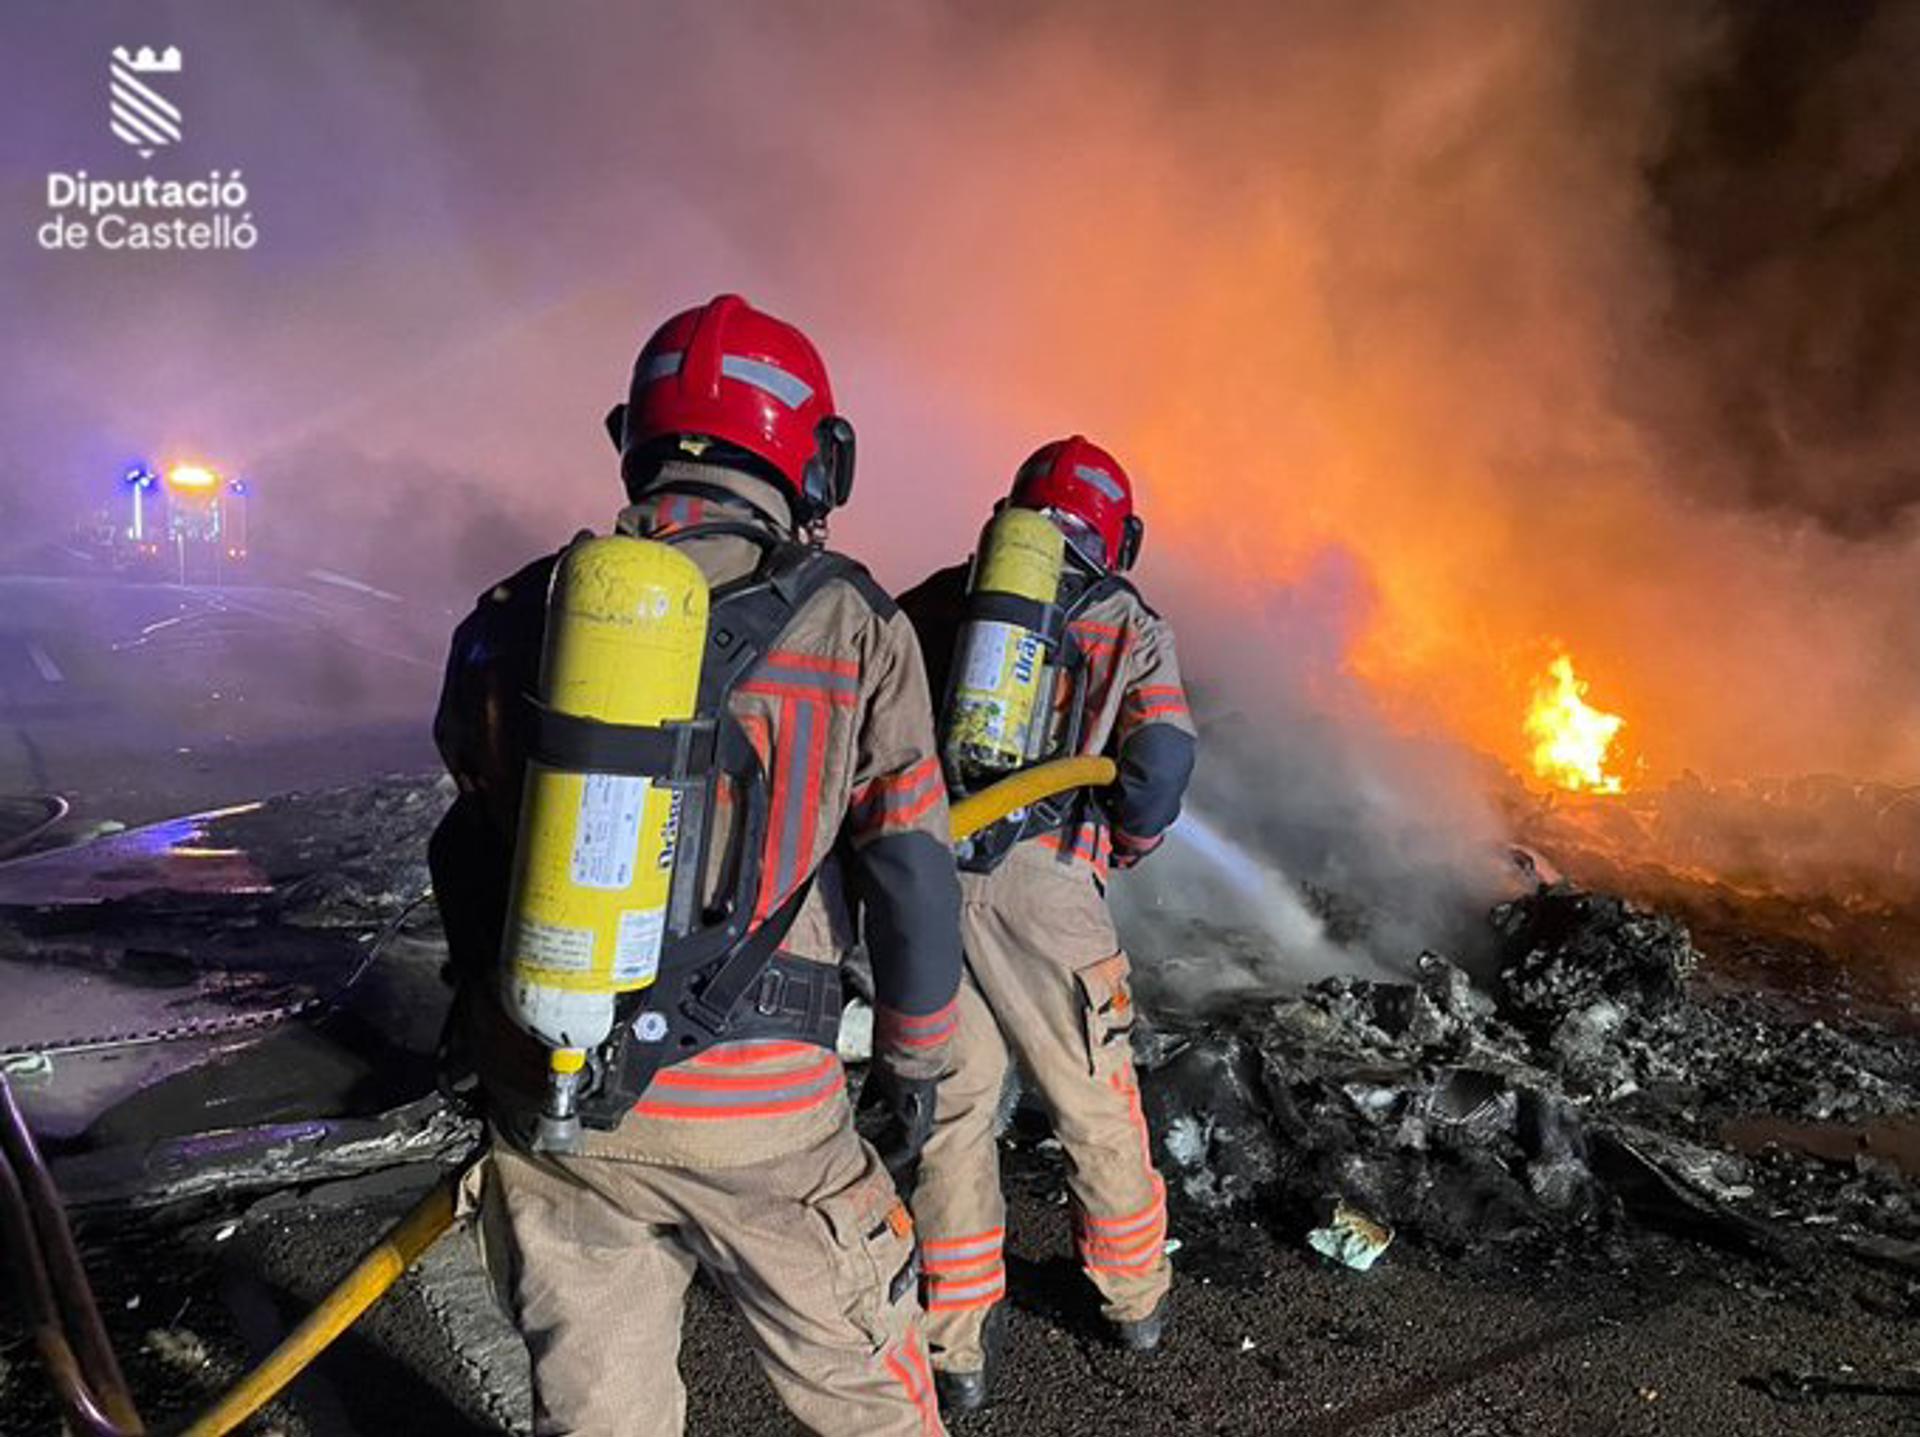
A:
(876, 1259)
(1107, 1011)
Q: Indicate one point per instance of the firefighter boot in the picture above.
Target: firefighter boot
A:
(1143, 1334)
(962, 1392)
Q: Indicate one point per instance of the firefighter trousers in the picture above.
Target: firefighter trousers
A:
(1047, 986)
(592, 1257)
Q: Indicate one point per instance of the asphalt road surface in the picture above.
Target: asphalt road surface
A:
(1643, 1337)
(140, 700)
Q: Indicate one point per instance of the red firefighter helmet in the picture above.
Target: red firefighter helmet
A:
(1084, 486)
(726, 371)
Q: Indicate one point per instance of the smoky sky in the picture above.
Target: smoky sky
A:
(1555, 323)
(1788, 195)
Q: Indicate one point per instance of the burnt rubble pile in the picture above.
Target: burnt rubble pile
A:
(345, 857)
(1593, 1085)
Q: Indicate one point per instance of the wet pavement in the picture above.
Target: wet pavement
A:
(141, 700)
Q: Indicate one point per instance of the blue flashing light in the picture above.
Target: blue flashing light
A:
(238, 486)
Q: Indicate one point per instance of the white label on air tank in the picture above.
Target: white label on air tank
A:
(636, 945)
(553, 947)
(606, 837)
(987, 645)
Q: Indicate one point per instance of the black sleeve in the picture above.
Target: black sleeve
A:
(483, 726)
(911, 900)
(935, 607)
(1156, 763)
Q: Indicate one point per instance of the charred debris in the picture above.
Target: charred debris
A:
(1601, 1087)
(1602, 1081)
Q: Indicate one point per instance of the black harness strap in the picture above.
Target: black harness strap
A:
(673, 753)
(988, 849)
(708, 971)
(1049, 621)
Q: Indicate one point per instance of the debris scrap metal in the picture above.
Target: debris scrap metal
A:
(1599, 1076)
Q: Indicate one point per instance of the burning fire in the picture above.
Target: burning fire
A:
(1570, 736)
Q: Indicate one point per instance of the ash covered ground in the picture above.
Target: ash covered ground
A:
(1631, 1187)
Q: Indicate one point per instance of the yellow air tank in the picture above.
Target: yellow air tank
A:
(1000, 706)
(593, 867)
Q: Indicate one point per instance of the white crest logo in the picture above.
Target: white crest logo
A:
(142, 116)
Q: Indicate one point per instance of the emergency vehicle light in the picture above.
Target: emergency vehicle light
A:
(191, 476)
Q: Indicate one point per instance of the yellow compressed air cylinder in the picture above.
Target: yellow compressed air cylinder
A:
(593, 868)
(1001, 666)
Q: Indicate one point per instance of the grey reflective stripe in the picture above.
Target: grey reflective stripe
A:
(1100, 480)
(816, 1084)
(787, 868)
(946, 1253)
(789, 390)
(782, 669)
(660, 366)
(1111, 1235)
(949, 1291)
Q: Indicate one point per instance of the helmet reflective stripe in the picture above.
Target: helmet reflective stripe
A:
(770, 378)
(661, 366)
(789, 389)
(729, 372)
(1100, 480)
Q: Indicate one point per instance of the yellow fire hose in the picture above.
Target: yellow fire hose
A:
(433, 1214)
(359, 1290)
(1043, 780)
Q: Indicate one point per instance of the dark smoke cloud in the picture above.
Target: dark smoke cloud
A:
(1552, 322)
(1789, 200)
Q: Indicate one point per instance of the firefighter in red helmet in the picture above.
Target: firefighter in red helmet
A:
(1046, 981)
(718, 1135)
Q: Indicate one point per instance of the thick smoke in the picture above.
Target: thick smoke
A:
(1789, 197)
(1543, 323)
(1319, 837)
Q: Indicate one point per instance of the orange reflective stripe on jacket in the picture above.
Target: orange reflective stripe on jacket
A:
(895, 1029)
(1150, 704)
(727, 1082)
(896, 801)
(1090, 845)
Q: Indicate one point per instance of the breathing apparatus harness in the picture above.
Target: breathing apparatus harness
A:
(1086, 585)
(720, 978)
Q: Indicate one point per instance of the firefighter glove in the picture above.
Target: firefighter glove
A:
(1129, 850)
(907, 1122)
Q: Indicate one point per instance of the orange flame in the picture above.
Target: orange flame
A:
(1571, 738)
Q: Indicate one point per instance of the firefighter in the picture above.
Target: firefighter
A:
(741, 1157)
(1046, 981)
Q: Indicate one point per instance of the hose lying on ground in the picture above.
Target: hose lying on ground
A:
(359, 1290)
(430, 1218)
